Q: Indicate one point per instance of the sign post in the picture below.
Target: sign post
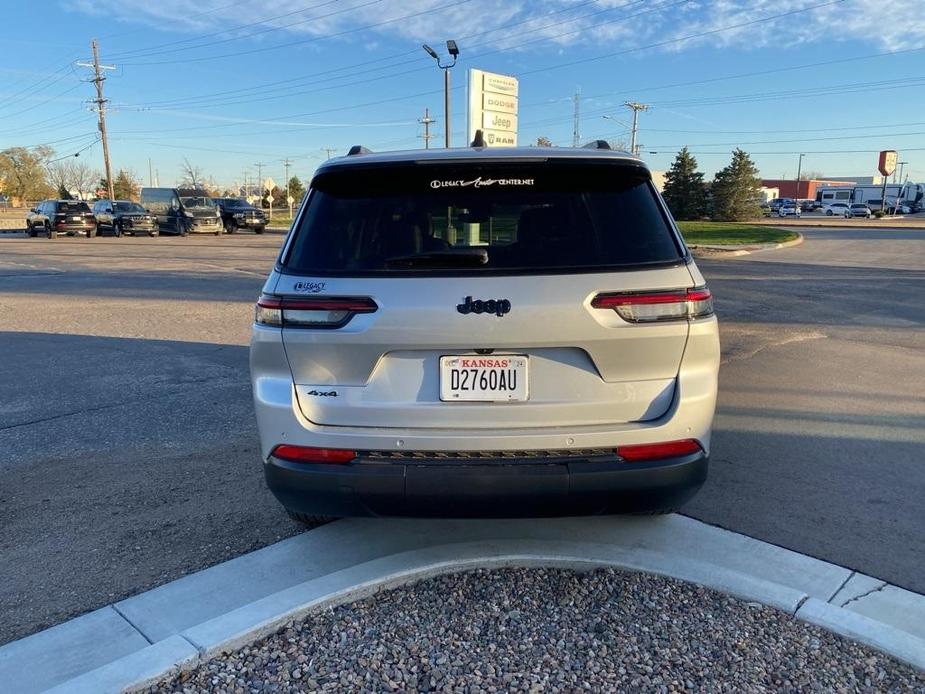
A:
(268, 185)
(493, 108)
(886, 166)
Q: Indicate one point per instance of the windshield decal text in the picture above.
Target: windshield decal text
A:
(482, 182)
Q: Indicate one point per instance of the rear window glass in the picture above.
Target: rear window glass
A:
(73, 207)
(517, 217)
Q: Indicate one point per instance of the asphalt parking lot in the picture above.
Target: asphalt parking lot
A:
(128, 451)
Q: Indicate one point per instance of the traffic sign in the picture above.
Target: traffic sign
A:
(269, 184)
(290, 199)
(887, 163)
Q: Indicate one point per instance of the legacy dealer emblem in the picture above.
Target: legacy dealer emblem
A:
(496, 306)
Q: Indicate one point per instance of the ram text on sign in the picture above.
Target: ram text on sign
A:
(499, 138)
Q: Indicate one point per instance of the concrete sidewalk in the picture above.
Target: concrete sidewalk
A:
(136, 641)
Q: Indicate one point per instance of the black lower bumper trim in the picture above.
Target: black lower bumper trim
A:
(518, 489)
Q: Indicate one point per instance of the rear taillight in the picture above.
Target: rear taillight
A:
(306, 454)
(321, 312)
(647, 307)
(658, 451)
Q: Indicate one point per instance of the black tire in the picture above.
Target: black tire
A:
(181, 228)
(310, 519)
(229, 227)
(221, 230)
(829, 213)
(259, 230)
(91, 233)
(116, 230)
(31, 231)
(51, 233)
(154, 233)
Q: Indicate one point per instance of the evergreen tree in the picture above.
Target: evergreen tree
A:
(684, 190)
(124, 187)
(736, 190)
(296, 189)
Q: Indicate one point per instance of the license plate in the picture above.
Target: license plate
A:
(493, 378)
(77, 219)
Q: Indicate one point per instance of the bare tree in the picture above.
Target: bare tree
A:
(72, 177)
(192, 176)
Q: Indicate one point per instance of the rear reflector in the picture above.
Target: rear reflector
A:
(657, 451)
(647, 307)
(305, 454)
(322, 312)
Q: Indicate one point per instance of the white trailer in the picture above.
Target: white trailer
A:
(908, 193)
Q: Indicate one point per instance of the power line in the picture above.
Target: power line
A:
(268, 94)
(277, 46)
(135, 52)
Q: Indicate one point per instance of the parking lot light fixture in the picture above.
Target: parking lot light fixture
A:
(453, 50)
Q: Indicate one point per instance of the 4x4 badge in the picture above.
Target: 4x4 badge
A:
(497, 306)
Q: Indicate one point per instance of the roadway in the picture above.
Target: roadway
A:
(128, 453)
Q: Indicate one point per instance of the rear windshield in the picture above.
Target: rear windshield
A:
(517, 217)
(73, 207)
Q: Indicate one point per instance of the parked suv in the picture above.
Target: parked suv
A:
(484, 332)
(53, 217)
(240, 214)
(124, 217)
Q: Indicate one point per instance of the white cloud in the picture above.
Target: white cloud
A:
(528, 25)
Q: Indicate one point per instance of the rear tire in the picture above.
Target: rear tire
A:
(309, 519)
(259, 230)
(51, 233)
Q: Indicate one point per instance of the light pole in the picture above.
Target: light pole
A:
(796, 195)
(453, 50)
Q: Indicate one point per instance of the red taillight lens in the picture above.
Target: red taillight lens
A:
(323, 312)
(657, 451)
(647, 307)
(306, 454)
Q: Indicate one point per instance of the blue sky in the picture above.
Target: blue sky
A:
(232, 84)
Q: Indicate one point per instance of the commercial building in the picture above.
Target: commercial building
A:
(804, 190)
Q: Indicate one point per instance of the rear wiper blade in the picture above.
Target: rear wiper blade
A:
(462, 257)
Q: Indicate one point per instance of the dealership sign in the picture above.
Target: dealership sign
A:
(493, 108)
(887, 164)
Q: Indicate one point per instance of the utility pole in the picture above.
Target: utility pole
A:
(796, 194)
(245, 183)
(635, 107)
(426, 121)
(287, 164)
(101, 102)
(260, 177)
(902, 164)
(576, 123)
(150, 173)
(329, 150)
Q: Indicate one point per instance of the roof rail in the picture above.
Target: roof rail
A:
(597, 144)
(479, 139)
(358, 149)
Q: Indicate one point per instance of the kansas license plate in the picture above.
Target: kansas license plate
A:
(492, 378)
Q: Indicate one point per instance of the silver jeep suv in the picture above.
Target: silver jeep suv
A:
(484, 332)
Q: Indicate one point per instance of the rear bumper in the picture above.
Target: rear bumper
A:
(457, 489)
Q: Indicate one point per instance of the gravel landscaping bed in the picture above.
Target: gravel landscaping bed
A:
(550, 630)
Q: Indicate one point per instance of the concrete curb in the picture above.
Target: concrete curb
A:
(175, 627)
(734, 251)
